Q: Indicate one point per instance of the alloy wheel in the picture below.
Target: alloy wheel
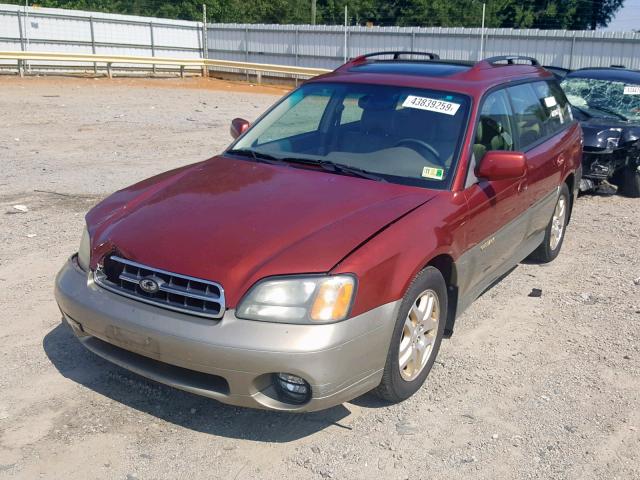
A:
(558, 223)
(418, 335)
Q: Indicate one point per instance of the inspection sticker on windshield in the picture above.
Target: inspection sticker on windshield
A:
(434, 173)
(632, 89)
(431, 104)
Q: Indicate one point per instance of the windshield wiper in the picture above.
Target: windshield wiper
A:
(336, 168)
(257, 156)
(324, 164)
(609, 111)
(358, 172)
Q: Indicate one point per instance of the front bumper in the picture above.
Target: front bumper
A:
(604, 164)
(231, 360)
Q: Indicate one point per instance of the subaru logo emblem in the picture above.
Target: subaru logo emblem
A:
(149, 284)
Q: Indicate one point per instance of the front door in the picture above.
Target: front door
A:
(496, 225)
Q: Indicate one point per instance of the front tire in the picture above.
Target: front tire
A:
(416, 337)
(631, 182)
(555, 232)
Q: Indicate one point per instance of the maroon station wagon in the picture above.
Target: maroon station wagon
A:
(331, 247)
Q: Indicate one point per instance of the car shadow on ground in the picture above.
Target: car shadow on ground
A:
(183, 409)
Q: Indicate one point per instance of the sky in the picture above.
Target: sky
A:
(628, 18)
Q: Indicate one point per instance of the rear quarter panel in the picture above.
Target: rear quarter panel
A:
(574, 139)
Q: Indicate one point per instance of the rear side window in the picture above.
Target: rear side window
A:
(528, 114)
(555, 105)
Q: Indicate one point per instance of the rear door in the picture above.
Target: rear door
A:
(541, 114)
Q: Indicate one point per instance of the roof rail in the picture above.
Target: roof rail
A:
(510, 60)
(396, 55)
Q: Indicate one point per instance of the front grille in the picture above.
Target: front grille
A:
(174, 291)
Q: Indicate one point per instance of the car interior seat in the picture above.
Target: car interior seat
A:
(490, 135)
(530, 131)
(374, 132)
(446, 131)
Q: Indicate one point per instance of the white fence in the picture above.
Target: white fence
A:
(55, 30)
(71, 31)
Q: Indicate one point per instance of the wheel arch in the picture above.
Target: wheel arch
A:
(446, 265)
(571, 183)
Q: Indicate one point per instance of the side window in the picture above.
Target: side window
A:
(494, 129)
(303, 117)
(528, 115)
(554, 104)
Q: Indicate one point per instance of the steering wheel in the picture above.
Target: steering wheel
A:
(422, 148)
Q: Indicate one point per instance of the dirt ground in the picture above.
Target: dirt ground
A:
(545, 388)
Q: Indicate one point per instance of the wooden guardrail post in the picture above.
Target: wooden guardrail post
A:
(181, 71)
(109, 72)
(21, 68)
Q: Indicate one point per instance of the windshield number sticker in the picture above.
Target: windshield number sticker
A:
(632, 89)
(434, 173)
(431, 104)
(550, 102)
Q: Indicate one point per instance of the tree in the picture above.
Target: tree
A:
(559, 14)
(543, 14)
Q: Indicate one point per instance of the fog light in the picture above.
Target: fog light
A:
(291, 388)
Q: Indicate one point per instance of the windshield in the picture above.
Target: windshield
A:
(604, 98)
(402, 135)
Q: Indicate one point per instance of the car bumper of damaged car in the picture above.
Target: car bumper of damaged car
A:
(599, 165)
(231, 360)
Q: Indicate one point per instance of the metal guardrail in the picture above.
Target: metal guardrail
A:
(204, 64)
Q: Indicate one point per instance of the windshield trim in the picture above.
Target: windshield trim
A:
(420, 183)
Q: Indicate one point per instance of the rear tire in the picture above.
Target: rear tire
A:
(631, 182)
(416, 337)
(555, 232)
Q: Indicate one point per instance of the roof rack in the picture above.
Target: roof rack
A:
(510, 59)
(396, 55)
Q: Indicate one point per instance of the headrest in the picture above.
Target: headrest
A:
(376, 102)
(487, 128)
(479, 132)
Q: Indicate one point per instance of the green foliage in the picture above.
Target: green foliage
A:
(543, 14)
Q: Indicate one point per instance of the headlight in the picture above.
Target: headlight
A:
(84, 252)
(321, 299)
(612, 142)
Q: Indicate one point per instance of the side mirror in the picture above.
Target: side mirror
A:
(238, 127)
(502, 165)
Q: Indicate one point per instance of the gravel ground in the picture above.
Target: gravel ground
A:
(527, 387)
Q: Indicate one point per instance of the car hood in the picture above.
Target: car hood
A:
(597, 131)
(235, 221)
